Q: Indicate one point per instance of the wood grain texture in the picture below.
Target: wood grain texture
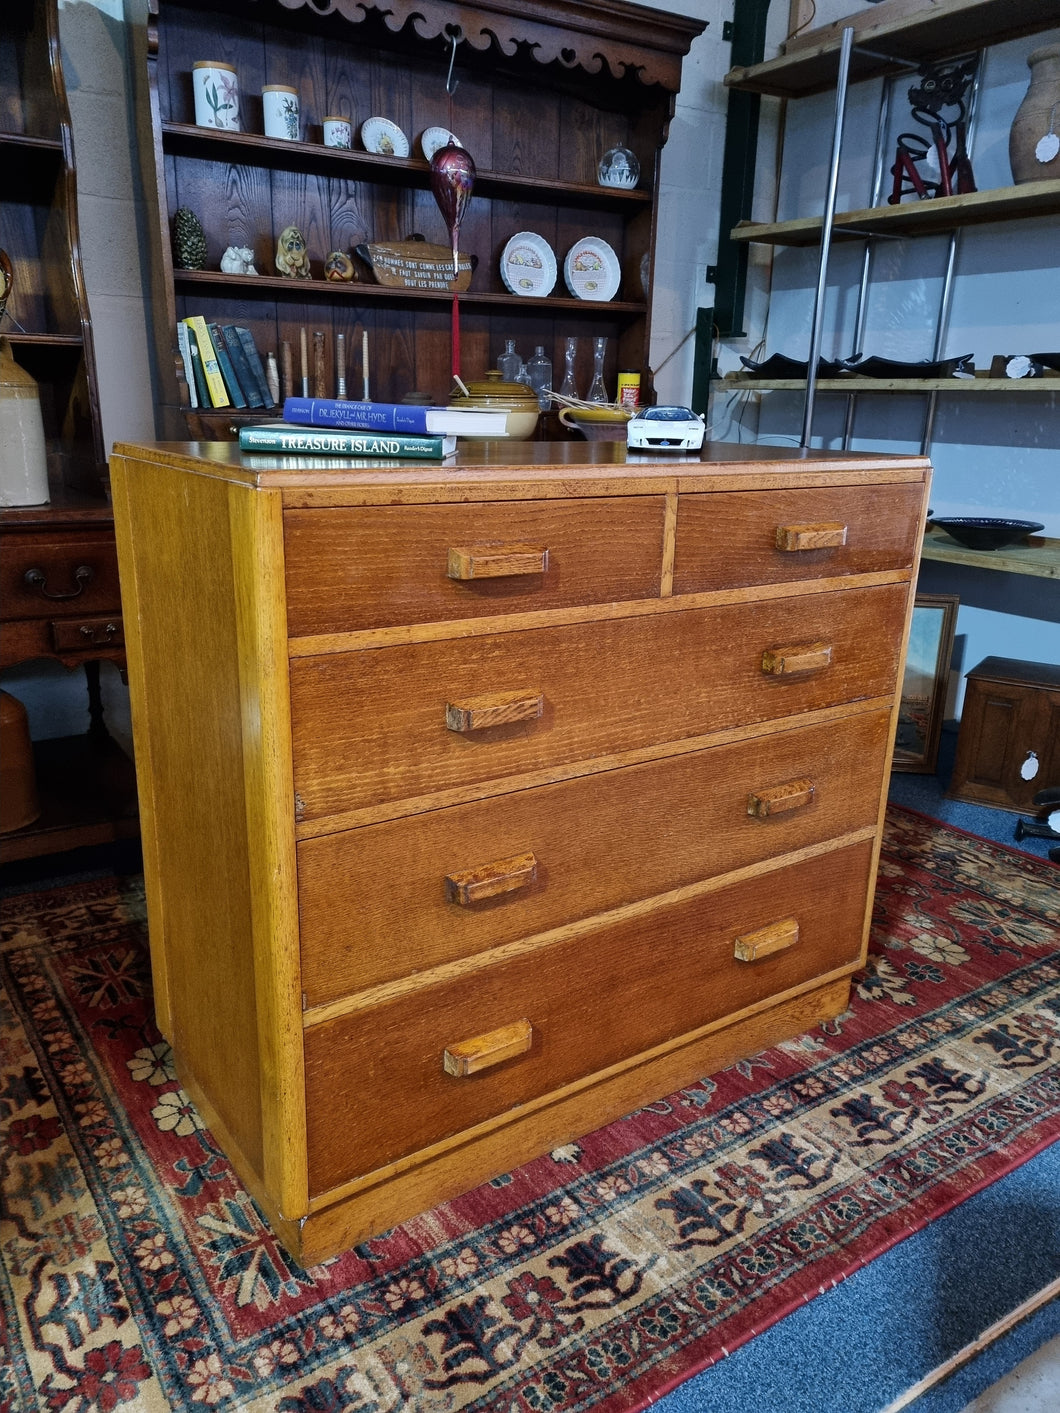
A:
(340, 1218)
(591, 1002)
(482, 1052)
(780, 799)
(607, 686)
(536, 923)
(792, 534)
(599, 842)
(350, 569)
(793, 659)
(764, 941)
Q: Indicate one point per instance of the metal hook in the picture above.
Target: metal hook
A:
(451, 84)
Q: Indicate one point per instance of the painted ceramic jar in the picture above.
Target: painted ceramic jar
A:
(216, 90)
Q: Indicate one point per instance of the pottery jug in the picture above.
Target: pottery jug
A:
(23, 452)
(1034, 140)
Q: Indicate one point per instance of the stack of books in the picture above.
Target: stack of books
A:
(317, 426)
(222, 365)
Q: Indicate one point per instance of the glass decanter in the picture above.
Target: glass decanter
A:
(569, 388)
(509, 362)
(540, 369)
(597, 391)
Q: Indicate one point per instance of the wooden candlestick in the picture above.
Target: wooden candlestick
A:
(303, 345)
(286, 369)
(340, 367)
(364, 364)
(319, 385)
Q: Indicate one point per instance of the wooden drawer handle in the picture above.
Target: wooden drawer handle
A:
(798, 657)
(481, 1051)
(495, 561)
(827, 534)
(488, 880)
(778, 799)
(765, 940)
(497, 709)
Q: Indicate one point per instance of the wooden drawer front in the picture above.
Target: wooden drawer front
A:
(597, 843)
(375, 1080)
(371, 726)
(729, 539)
(375, 567)
(66, 574)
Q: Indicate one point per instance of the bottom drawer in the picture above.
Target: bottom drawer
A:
(377, 1085)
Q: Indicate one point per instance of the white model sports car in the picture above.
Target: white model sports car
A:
(665, 429)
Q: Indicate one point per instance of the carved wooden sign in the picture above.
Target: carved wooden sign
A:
(416, 264)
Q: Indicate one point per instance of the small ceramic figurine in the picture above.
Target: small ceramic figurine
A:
(338, 266)
(238, 260)
(292, 258)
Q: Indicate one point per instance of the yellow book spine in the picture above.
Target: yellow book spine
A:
(214, 381)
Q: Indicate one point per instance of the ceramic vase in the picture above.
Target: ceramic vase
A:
(1034, 139)
(23, 452)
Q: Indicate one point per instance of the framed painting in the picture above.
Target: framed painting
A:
(927, 666)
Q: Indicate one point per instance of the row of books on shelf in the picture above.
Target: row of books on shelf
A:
(222, 365)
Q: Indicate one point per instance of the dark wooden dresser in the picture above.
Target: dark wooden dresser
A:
(485, 802)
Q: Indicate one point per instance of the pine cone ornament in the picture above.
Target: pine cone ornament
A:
(189, 240)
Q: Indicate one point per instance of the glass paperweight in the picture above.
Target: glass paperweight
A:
(618, 167)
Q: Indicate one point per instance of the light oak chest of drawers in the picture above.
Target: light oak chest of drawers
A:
(483, 803)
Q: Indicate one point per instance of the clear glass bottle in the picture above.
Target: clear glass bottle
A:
(597, 391)
(540, 369)
(569, 388)
(509, 363)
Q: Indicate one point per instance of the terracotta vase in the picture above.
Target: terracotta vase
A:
(1034, 140)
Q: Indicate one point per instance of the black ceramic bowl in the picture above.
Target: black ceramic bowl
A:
(985, 534)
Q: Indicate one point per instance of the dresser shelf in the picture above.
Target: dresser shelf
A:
(543, 90)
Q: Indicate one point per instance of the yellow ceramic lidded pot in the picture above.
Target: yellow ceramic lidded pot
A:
(517, 399)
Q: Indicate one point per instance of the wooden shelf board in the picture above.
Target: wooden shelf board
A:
(87, 792)
(913, 218)
(187, 139)
(34, 340)
(1039, 557)
(273, 286)
(934, 31)
(960, 387)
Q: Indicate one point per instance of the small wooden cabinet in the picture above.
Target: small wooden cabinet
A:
(1008, 747)
(488, 801)
(58, 565)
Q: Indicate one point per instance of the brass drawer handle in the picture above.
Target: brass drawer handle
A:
(37, 579)
(481, 1051)
(495, 561)
(472, 885)
(497, 709)
(827, 534)
(760, 943)
(779, 799)
(797, 657)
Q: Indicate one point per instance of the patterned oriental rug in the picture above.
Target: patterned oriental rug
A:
(138, 1273)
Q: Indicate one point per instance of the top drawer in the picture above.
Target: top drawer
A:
(380, 566)
(60, 574)
(731, 539)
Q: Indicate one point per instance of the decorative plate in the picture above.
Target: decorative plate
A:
(591, 269)
(433, 138)
(528, 266)
(382, 136)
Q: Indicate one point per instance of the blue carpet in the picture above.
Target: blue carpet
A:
(861, 1344)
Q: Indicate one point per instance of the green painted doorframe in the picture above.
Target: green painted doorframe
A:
(738, 169)
(747, 33)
